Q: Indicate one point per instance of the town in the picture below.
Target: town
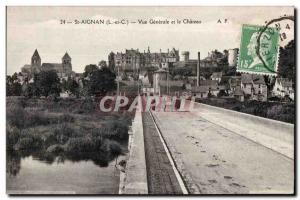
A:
(173, 73)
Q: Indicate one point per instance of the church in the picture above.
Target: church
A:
(63, 69)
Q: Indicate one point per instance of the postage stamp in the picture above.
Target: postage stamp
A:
(258, 57)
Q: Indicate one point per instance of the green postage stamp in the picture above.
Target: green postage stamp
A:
(259, 50)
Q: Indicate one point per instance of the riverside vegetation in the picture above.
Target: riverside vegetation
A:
(55, 130)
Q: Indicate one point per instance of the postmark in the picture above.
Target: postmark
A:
(252, 62)
(282, 35)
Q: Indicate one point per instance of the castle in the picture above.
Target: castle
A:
(133, 60)
(63, 69)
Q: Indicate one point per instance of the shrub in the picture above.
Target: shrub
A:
(12, 137)
(115, 148)
(29, 141)
(56, 148)
(112, 147)
(116, 130)
(63, 132)
(66, 118)
(15, 115)
(87, 105)
(36, 119)
(80, 145)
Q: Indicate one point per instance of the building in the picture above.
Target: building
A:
(200, 92)
(171, 87)
(34, 67)
(215, 59)
(239, 94)
(133, 61)
(232, 57)
(216, 76)
(254, 87)
(159, 76)
(206, 88)
(186, 56)
(283, 87)
(233, 83)
(63, 69)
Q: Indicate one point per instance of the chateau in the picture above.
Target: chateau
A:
(133, 60)
(63, 69)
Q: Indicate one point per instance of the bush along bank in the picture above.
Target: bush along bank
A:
(46, 136)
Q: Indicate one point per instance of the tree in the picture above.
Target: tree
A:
(102, 64)
(89, 69)
(101, 81)
(13, 87)
(47, 83)
(14, 77)
(30, 89)
(72, 86)
(286, 66)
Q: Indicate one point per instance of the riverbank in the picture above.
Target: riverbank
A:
(64, 130)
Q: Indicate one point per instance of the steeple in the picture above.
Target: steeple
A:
(36, 54)
(66, 63)
(66, 56)
(36, 59)
(66, 59)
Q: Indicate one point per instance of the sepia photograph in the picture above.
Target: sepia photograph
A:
(150, 100)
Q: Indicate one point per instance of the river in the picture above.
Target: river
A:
(29, 175)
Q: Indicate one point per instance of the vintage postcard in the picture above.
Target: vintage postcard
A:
(150, 100)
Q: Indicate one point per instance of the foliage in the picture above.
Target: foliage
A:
(287, 65)
(13, 87)
(48, 135)
(47, 83)
(102, 64)
(101, 81)
(71, 86)
(278, 111)
(89, 69)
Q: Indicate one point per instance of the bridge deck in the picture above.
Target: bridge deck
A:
(160, 175)
(215, 160)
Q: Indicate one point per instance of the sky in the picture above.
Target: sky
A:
(33, 27)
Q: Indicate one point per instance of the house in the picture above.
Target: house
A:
(206, 88)
(238, 94)
(233, 82)
(212, 86)
(200, 91)
(254, 87)
(216, 76)
(283, 87)
(171, 87)
(193, 79)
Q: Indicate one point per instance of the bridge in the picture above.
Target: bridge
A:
(209, 150)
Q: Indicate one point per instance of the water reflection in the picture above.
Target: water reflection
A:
(14, 159)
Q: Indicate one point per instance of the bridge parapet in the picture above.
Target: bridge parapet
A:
(136, 172)
(276, 135)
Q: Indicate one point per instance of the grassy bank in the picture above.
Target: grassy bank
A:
(70, 128)
(280, 111)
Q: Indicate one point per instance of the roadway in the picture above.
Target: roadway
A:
(214, 159)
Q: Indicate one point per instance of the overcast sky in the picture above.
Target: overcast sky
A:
(30, 28)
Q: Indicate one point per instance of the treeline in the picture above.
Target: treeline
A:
(286, 65)
(95, 81)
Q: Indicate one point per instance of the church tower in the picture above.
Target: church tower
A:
(36, 59)
(66, 63)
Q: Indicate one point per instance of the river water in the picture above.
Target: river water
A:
(29, 175)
